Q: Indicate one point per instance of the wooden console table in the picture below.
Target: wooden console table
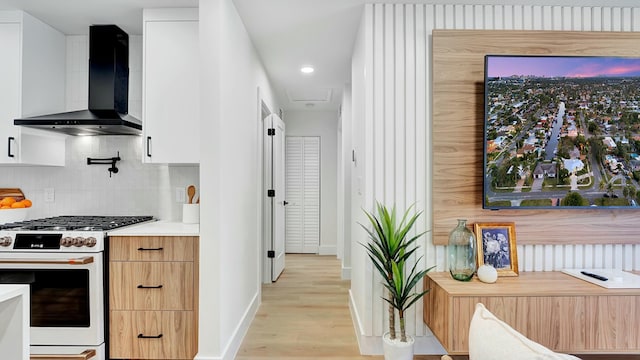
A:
(559, 311)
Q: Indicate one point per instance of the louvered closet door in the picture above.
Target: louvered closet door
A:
(303, 194)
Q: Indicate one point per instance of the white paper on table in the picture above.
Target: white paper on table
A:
(617, 279)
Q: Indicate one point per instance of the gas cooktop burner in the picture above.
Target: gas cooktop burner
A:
(76, 223)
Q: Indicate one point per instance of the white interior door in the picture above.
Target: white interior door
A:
(303, 194)
(275, 192)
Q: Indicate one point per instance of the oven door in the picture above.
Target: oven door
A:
(67, 301)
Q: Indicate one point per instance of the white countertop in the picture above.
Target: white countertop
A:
(14, 321)
(158, 228)
(10, 291)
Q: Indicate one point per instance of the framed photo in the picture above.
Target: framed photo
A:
(497, 247)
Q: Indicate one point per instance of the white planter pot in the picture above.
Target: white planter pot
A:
(397, 350)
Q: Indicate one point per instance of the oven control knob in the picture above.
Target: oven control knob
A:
(90, 241)
(78, 241)
(66, 241)
(5, 241)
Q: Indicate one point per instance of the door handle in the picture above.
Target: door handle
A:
(9, 153)
(85, 355)
(142, 336)
(285, 203)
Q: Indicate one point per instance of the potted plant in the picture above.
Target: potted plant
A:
(389, 248)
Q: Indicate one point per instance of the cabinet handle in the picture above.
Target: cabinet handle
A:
(9, 154)
(148, 146)
(142, 336)
(150, 249)
(149, 287)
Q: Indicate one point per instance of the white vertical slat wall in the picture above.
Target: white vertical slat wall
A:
(398, 123)
(302, 224)
(396, 131)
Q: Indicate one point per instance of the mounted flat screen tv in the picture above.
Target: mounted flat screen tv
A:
(561, 132)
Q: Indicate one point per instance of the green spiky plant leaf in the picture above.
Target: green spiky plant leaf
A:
(388, 247)
(401, 294)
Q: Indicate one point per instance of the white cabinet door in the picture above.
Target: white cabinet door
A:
(9, 91)
(171, 86)
(32, 66)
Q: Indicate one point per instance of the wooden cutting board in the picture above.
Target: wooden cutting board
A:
(15, 193)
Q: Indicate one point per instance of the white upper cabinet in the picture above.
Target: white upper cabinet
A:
(170, 91)
(32, 80)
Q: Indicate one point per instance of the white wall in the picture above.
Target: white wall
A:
(391, 134)
(230, 239)
(210, 14)
(82, 189)
(344, 180)
(325, 125)
(361, 267)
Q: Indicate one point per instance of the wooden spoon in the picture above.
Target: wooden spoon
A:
(191, 192)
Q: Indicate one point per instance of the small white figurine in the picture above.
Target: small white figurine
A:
(487, 274)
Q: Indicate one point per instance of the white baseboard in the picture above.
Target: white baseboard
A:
(327, 250)
(231, 349)
(372, 345)
(357, 324)
(346, 273)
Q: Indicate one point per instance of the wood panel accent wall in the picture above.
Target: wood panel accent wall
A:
(458, 122)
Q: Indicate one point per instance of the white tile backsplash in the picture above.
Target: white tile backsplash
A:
(81, 189)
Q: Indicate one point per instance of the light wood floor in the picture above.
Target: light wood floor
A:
(305, 315)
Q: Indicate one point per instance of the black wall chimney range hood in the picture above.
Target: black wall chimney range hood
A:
(108, 91)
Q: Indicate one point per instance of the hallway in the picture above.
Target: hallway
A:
(305, 315)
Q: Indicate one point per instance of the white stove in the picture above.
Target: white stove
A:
(63, 234)
(62, 259)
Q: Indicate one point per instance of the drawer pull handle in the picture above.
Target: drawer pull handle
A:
(149, 287)
(150, 249)
(141, 336)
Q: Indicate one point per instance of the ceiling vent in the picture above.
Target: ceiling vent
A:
(309, 95)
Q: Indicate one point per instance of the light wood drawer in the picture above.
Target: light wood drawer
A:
(152, 335)
(152, 248)
(151, 285)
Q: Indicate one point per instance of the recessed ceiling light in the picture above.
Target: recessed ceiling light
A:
(307, 69)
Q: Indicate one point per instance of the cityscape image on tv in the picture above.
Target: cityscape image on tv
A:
(561, 132)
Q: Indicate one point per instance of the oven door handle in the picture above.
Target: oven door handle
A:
(77, 261)
(85, 355)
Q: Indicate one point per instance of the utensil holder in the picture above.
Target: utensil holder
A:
(191, 213)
